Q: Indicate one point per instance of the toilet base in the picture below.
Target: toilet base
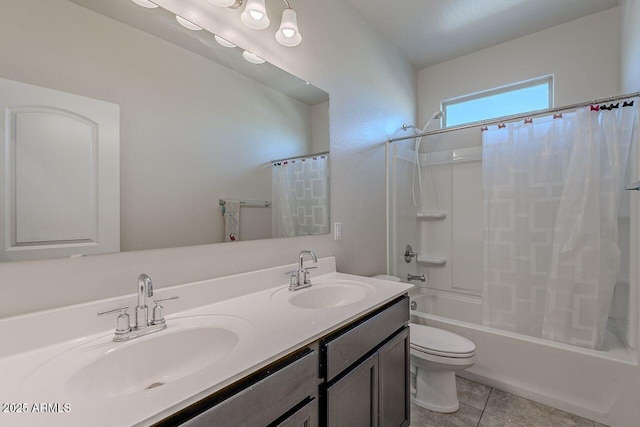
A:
(436, 390)
(434, 408)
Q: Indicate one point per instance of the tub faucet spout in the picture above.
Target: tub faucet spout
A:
(420, 277)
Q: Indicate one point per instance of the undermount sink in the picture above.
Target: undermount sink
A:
(102, 368)
(329, 294)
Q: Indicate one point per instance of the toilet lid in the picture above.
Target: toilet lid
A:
(440, 342)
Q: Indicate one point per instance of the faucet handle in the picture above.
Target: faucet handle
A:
(157, 310)
(122, 326)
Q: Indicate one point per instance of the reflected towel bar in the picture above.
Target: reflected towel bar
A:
(249, 203)
(634, 186)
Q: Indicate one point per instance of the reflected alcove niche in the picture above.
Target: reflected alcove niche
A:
(125, 130)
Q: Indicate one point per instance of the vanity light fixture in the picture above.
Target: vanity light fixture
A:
(288, 33)
(255, 16)
(223, 3)
(252, 57)
(145, 3)
(188, 24)
(223, 42)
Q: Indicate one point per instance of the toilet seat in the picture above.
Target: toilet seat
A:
(438, 342)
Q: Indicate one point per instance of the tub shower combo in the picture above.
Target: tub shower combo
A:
(522, 236)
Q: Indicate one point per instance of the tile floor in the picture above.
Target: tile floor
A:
(483, 406)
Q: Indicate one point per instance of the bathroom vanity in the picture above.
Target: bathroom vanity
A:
(238, 350)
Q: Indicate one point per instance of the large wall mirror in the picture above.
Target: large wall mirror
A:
(123, 130)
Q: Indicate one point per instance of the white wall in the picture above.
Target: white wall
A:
(319, 131)
(372, 91)
(583, 55)
(630, 46)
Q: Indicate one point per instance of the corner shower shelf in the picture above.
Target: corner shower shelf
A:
(432, 260)
(431, 216)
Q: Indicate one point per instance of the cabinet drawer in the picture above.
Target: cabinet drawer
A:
(345, 349)
(265, 401)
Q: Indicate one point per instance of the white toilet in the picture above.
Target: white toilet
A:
(436, 355)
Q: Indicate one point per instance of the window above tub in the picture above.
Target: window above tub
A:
(517, 98)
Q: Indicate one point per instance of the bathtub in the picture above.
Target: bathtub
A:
(577, 380)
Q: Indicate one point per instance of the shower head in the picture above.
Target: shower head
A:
(437, 115)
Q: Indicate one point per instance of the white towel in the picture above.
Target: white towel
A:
(231, 220)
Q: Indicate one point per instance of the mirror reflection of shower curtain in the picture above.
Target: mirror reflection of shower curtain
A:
(552, 190)
(301, 197)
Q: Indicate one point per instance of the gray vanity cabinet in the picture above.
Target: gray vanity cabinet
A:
(355, 376)
(367, 371)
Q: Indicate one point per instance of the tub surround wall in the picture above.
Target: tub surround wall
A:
(372, 89)
(624, 409)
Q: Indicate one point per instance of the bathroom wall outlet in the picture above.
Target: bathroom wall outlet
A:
(337, 231)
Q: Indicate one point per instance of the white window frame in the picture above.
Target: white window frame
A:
(498, 90)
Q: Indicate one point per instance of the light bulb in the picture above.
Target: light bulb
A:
(223, 42)
(188, 24)
(145, 3)
(255, 15)
(288, 33)
(223, 3)
(252, 57)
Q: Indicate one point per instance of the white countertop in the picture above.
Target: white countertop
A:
(268, 330)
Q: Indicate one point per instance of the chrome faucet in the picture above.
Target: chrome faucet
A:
(300, 278)
(145, 289)
(142, 325)
(420, 277)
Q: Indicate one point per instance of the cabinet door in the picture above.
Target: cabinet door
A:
(393, 371)
(353, 400)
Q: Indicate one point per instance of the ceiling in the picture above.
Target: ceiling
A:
(432, 31)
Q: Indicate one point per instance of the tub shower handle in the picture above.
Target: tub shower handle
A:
(411, 277)
(408, 254)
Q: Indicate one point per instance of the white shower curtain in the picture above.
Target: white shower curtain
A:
(301, 197)
(552, 190)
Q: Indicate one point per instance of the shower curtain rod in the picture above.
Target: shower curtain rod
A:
(516, 117)
(306, 156)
